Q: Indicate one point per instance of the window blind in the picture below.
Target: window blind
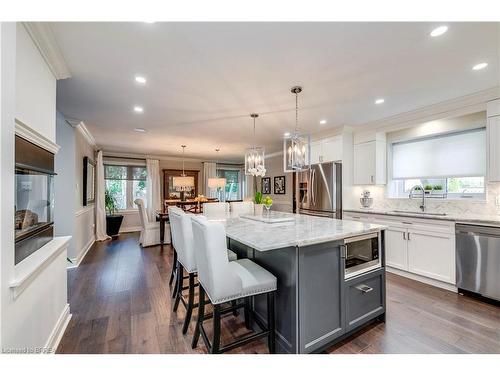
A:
(124, 172)
(452, 155)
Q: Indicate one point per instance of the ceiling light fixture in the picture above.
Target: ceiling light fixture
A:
(140, 130)
(438, 31)
(296, 147)
(140, 79)
(287, 134)
(254, 156)
(138, 109)
(322, 122)
(480, 66)
(379, 101)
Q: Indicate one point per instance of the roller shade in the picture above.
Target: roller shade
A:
(451, 155)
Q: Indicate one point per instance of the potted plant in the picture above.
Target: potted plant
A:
(438, 189)
(428, 188)
(113, 220)
(258, 203)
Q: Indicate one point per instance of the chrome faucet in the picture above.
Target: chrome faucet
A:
(421, 188)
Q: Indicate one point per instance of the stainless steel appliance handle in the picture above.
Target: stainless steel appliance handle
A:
(360, 238)
(364, 288)
(343, 251)
(313, 200)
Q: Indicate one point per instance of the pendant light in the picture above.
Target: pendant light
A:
(183, 183)
(254, 156)
(218, 183)
(296, 146)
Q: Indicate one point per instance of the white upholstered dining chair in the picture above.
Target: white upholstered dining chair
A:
(215, 208)
(150, 233)
(242, 208)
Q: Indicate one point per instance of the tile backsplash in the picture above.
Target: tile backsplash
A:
(452, 207)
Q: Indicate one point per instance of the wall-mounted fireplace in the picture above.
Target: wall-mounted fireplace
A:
(34, 187)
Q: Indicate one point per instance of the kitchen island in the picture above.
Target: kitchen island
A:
(316, 304)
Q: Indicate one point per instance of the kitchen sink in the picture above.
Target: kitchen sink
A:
(419, 213)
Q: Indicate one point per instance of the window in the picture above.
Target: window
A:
(233, 183)
(447, 166)
(126, 183)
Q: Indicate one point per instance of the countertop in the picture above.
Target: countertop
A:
(302, 231)
(463, 218)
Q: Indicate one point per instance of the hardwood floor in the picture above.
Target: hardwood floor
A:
(120, 301)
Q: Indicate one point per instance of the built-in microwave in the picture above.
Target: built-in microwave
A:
(361, 254)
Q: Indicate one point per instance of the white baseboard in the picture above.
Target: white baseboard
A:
(76, 261)
(423, 279)
(130, 229)
(59, 329)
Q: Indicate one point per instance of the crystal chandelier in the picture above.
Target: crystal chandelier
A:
(296, 146)
(254, 157)
(183, 183)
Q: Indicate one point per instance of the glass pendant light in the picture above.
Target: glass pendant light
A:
(254, 157)
(296, 146)
(183, 183)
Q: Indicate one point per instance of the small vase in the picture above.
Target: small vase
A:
(258, 208)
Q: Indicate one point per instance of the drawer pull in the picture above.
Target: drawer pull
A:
(364, 288)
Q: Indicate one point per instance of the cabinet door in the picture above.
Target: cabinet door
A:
(493, 137)
(316, 152)
(331, 149)
(364, 163)
(396, 251)
(432, 255)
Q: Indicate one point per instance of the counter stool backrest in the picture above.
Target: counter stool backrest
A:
(241, 208)
(181, 224)
(215, 209)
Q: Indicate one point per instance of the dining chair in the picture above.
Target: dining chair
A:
(150, 232)
(242, 208)
(182, 235)
(215, 208)
(224, 281)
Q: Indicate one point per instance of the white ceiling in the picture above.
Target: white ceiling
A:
(204, 79)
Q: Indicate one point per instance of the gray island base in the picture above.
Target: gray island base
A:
(316, 306)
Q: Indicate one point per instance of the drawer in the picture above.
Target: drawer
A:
(365, 298)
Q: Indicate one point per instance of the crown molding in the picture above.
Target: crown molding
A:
(463, 105)
(80, 126)
(24, 131)
(116, 154)
(44, 39)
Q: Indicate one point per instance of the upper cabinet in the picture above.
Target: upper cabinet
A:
(326, 150)
(370, 161)
(493, 140)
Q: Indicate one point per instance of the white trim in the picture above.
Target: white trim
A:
(81, 255)
(130, 229)
(82, 128)
(84, 210)
(111, 154)
(29, 268)
(423, 279)
(44, 39)
(58, 331)
(24, 131)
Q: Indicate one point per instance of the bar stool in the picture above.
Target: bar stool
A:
(225, 281)
(242, 208)
(215, 209)
(182, 235)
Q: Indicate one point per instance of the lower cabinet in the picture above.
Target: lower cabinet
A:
(396, 249)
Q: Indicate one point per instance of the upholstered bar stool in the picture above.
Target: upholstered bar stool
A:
(242, 208)
(223, 281)
(215, 209)
(182, 235)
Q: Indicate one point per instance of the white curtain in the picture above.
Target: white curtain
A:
(248, 186)
(153, 195)
(100, 219)
(209, 171)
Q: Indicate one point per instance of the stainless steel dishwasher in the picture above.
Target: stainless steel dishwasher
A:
(478, 260)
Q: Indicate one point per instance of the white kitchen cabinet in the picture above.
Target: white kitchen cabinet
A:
(370, 163)
(493, 148)
(326, 150)
(396, 248)
(316, 152)
(432, 254)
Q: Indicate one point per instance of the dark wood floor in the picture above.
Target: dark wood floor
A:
(120, 301)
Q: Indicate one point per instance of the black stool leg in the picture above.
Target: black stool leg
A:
(216, 342)
(201, 314)
(189, 308)
(174, 264)
(270, 323)
(248, 313)
(179, 285)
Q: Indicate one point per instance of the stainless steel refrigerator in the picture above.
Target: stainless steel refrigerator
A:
(318, 191)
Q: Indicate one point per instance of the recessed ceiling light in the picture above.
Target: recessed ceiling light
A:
(138, 109)
(379, 101)
(287, 134)
(480, 66)
(322, 122)
(149, 21)
(439, 31)
(140, 130)
(140, 79)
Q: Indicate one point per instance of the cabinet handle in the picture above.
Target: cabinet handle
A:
(371, 178)
(408, 236)
(364, 288)
(404, 235)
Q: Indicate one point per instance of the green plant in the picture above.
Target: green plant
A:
(257, 199)
(418, 188)
(438, 187)
(109, 202)
(428, 187)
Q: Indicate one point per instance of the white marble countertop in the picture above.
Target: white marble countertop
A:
(462, 218)
(302, 231)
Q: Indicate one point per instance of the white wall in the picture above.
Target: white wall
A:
(274, 168)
